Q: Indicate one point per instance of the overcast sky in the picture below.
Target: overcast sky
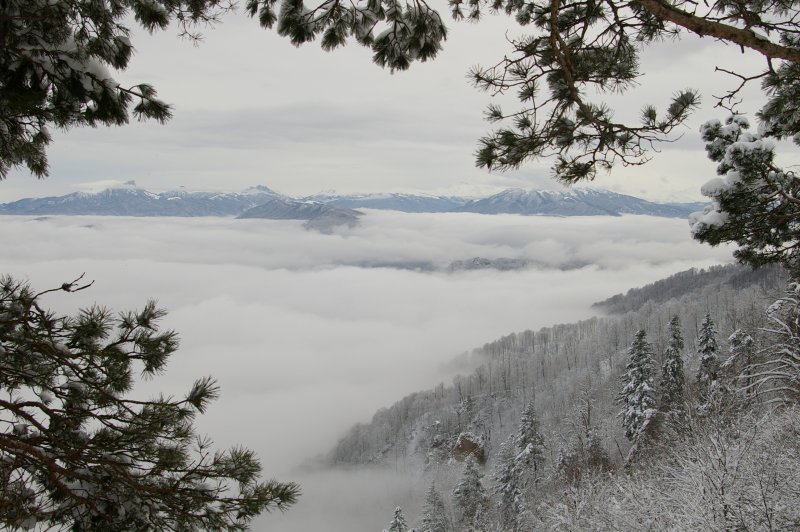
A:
(252, 109)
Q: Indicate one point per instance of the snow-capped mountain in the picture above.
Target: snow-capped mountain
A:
(574, 202)
(130, 200)
(392, 201)
(318, 216)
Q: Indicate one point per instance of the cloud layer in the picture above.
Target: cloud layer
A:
(303, 341)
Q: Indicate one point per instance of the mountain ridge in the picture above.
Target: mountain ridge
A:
(318, 216)
(130, 200)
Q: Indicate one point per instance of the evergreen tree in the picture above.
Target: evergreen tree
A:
(398, 523)
(508, 485)
(576, 52)
(707, 348)
(673, 380)
(739, 366)
(638, 396)
(754, 203)
(529, 441)
(519, 462)
(434, 514)
(471, 499)
(76, 453)
(466, 412)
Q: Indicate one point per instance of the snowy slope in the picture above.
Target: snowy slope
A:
(318, 216)
(575, 202)
(130, 200)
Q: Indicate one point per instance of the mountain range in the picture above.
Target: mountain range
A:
(318, 216)
(393, 201)
(130, 200)
(574, 202)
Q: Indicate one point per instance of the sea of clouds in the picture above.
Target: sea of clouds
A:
(305, 340)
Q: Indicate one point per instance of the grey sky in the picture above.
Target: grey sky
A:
(252, 109)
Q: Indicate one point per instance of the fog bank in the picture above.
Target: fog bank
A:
(303, 341)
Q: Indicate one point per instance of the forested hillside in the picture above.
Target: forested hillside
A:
(685, 282)
(569, 378)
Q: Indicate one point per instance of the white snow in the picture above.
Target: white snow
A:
(713, 187)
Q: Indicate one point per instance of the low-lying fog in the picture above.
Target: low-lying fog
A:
(304, 342)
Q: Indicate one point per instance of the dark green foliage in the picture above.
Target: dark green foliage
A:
(411, 31)
(76, 452)
(55, 61)
(574, 49)
(575, 52)
(755, 203)
(780, 116)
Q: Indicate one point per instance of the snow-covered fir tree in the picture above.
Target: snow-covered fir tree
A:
(638, 395)
(466, 411)
(519, 464)
(530, 442)
(398, 523)
(738, 365)
(707, 349)
(508, 487)
(673, 379)
(471, 499)
(434, 514)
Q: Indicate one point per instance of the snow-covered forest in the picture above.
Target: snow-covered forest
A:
(547, 432)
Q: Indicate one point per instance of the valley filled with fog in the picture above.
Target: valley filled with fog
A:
(309, 333)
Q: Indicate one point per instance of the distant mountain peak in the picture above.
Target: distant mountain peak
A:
(578, 201)
(127, 199)
(319, 216)
(261, 189)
